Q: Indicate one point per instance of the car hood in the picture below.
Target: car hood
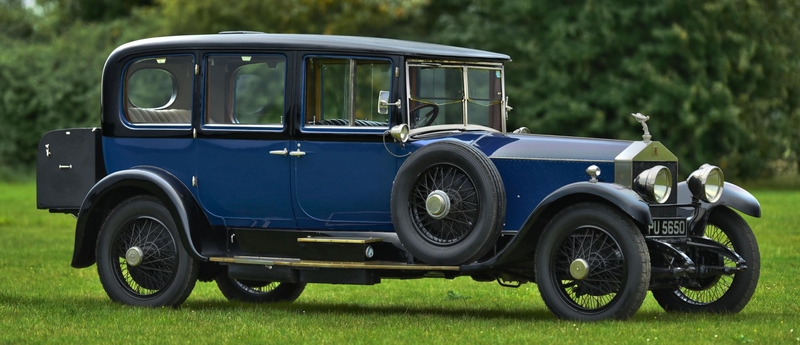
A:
(548, 147)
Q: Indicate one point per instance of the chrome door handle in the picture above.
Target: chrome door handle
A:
(297, 153)
(279, 152)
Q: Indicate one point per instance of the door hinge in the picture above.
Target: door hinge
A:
(397, 72)
(194, 181)
(196, 69)
(194, 133)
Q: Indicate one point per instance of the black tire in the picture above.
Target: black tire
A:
(477, 199)
(614, 251)
(258, 292)
(722, 294)
(166, 274)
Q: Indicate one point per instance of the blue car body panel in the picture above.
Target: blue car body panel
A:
(240, 182)
(343, 185)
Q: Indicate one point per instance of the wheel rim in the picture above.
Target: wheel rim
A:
(711, 290)
(462, 202)
(255, 287)
(596, 251)
(150, 273)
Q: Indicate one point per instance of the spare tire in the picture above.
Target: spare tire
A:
(448, 204)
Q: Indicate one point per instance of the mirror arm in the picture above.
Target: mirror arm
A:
(386, 103)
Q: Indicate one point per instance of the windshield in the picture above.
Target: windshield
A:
(452, 94)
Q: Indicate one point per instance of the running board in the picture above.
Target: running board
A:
(367, 265)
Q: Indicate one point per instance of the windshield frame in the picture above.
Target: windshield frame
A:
(465, 66)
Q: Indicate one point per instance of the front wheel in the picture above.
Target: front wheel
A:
(723, 293)
(139, 258)
(257, 291)
(592, 264)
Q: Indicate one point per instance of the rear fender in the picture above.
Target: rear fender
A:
(190, 220)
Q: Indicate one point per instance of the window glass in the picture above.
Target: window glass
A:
(151, 88)
(440, 94)
(245, 90)
(372, 77)
(344, 92)
(485, 95)
(442, 86)
(159, 90)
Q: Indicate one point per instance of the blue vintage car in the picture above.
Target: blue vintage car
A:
(265, 162)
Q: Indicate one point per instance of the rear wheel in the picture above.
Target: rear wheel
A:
(592, 264)
(251, 291)
(139, 258)
(722, 293)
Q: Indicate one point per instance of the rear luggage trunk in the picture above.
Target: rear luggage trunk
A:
(69, 163)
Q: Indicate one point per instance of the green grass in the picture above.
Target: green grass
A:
(44, 300)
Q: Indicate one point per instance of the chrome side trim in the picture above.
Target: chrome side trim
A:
(554, 159)
(339, 240)
(370, 265)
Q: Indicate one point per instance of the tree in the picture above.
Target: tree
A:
(370, 17)
(718, 77)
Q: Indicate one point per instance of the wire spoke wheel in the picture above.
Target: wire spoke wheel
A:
(448, 203)
(711, 289)
(592, 263)
(158, 262)
(606, 269)
(722, 292)
(462, 212)
(253, 291)
(255, 287)
(140, 260)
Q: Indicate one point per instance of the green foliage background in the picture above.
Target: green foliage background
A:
(720, 79)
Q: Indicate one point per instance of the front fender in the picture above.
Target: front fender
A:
(126, 183)
(732, 196)
(622, 197)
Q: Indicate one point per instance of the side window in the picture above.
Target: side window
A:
(245, 90)
(344, 92)
(159, 90)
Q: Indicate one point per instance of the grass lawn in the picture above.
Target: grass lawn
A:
(44, 300)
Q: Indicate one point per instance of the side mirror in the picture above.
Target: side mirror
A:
(383, 103)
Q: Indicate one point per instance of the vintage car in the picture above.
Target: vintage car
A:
(269, 161)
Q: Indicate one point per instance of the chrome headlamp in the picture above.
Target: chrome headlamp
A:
(706, 183)
(400, 132)
(654, 184)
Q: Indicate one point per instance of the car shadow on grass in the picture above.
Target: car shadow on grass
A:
(454, 311)
(76, 305)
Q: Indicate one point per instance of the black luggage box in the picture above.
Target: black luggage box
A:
(68, 164)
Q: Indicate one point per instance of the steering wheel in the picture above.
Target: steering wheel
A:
(431, 115)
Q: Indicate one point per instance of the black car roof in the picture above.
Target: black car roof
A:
(310, 42)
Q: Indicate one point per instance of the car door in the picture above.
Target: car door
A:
(342, 170)
(243, 175)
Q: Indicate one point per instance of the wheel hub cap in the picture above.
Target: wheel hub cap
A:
(438, 204)
(134, 256)
(579, 269)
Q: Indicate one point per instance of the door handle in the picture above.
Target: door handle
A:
(279, 152)
(297, 153)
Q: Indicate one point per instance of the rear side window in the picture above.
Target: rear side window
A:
(158, 90)
(245, 90)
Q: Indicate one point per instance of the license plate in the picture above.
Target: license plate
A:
(668, 227)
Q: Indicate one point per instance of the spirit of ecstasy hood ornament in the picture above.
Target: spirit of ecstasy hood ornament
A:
(641, 118)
